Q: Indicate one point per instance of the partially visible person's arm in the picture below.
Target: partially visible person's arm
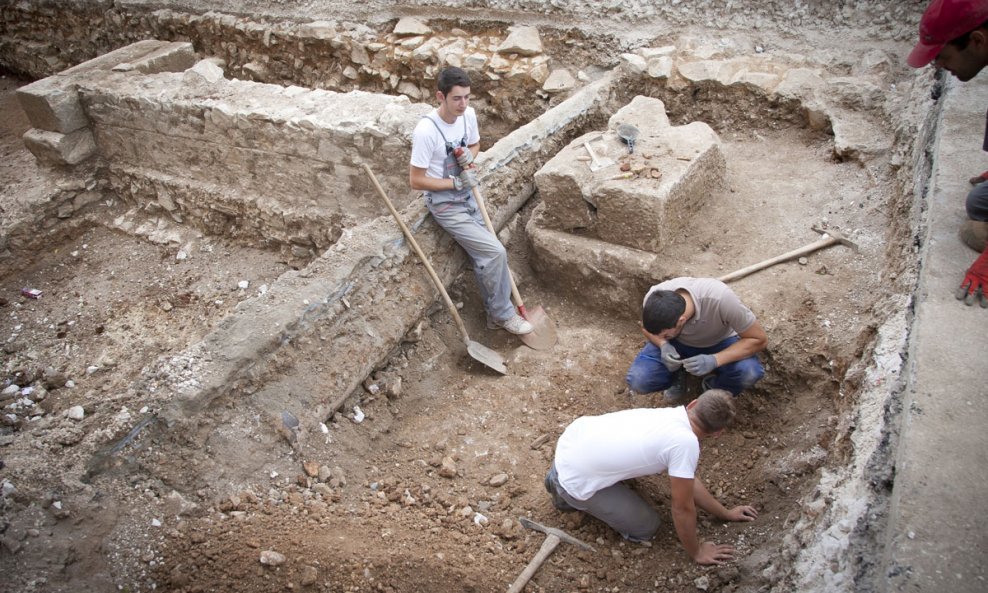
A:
(684, 518)
(753, 340)
(418, 180)
(707, 502)
(974, 286)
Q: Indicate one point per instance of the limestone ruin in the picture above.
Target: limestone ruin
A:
(315, 410)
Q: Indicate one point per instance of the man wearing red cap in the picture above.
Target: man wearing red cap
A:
(953, 35)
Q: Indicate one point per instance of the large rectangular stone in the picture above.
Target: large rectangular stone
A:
(128, 54)
(52, 104)
(57, 149)
(176, 56)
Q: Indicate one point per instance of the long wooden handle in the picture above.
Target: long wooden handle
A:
(548, 546)
(490, 226)
(826, 242)
(418, 252)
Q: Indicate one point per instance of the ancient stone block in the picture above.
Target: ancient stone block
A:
(410, 26)
(129, 54)
(704, 70)
(559, 81)
(521, 40)
(53, 148)
(52, 104)
(170, 57)
(638, 198)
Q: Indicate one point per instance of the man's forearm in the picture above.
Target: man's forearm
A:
(685, 522)
(706, 501)
(739, 350)
(433, 184)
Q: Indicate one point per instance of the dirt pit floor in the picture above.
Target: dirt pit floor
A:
(424, 493)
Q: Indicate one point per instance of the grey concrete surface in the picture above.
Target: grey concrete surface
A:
(938, 528)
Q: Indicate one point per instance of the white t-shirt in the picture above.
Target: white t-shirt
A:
(595, 452)
(428, 146)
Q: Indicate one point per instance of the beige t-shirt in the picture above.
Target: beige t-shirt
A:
(719, 313)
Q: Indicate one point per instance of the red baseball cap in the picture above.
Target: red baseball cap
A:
(944, 21)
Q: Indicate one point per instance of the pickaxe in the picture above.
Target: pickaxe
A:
(830, 237)
(554, 537)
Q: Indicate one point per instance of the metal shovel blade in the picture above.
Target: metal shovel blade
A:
(544, 336)
(486, 356)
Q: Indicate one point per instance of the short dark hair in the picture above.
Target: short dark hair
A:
(714, 410)
(451, 77)
(662, 311)
(962, 41)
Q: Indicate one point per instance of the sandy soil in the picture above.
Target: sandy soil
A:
(424, 493)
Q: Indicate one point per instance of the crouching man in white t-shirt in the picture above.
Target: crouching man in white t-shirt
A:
(595, 453)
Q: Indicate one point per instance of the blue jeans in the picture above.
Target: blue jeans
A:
(648, 374)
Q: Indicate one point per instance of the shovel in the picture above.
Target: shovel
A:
(478, 352)
(629, 134)
(544, 335)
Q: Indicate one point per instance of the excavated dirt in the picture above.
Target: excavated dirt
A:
(423, 494)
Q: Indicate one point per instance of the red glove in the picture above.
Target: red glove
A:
(975, 283)
(464, 156)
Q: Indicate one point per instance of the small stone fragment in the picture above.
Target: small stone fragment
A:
(311, 468)
(499, 480)
(272, 558)
(448, 468)
(541, 440)
(309, 576)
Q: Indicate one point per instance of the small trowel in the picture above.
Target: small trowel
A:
(629, 134)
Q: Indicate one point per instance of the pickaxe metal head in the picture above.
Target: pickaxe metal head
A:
(837, 237)
(562, 535)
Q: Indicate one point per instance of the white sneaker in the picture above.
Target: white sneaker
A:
(516, 324)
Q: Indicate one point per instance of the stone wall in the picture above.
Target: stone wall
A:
(339, 46)
(398, 57)
(266, 163)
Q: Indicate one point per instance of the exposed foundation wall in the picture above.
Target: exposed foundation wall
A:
(396, 57)
(348, 47)
(251, 160)
(263, 163)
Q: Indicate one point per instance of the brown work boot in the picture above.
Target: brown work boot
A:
(974, 234)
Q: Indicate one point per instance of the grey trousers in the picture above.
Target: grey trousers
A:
(977, 202)
(465, 223)
(617, 505)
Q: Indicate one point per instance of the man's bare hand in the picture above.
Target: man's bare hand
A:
(742, 513)
(711, 553)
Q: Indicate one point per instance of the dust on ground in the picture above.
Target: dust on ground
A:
(424, 492)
